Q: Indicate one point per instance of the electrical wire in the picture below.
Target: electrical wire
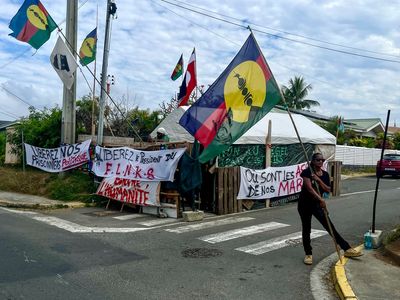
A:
(287, 32)
(285, 38)
(223, 37)
(9, 114)
(17, 97)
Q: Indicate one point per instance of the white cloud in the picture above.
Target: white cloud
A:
(148, 39)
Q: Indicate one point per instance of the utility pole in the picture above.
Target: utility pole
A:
(69, 95)
(111, 9)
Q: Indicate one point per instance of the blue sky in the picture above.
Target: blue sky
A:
(149, 36)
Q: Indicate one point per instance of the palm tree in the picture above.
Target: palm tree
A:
(296, 93)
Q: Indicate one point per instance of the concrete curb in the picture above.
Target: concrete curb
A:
(392, 253)
(342, 286)
(25, 205)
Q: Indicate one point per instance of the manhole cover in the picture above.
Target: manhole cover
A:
(201, 253)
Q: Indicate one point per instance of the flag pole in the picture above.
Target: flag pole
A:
(94, 77)
(306, 156)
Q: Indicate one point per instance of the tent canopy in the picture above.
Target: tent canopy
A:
(282, 129)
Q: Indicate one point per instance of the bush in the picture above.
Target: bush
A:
(73, 186)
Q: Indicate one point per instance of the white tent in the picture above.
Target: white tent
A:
(282, 129)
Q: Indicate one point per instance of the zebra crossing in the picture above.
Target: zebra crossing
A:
(258, 248)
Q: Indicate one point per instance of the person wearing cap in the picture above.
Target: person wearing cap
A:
(162, 135)
(311, 203)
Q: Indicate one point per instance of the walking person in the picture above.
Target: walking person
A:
(311, 203)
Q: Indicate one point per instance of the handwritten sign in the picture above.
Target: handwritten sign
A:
(57, 159)
(135, 164)
(253, 156)
(130, 191)
(270, 182)
(249, 156)
(291, 154)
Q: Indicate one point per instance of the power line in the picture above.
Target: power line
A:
(223, 37)
(17, 97)
(287, 32)
(9, 114)
(285, 38)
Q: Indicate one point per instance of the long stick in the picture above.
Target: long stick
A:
(304, 149)
(333, 237)
(315, 184)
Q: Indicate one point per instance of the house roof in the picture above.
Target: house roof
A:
(5, 124)
(366, 124)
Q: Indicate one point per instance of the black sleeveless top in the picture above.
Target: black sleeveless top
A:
(305, 196)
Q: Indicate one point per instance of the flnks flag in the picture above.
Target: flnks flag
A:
(178, 69)
(189, 81)
(244, 93)
(32, 24)
(64, 63)
(87, 52)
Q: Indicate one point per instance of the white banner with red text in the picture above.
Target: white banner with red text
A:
(57, 159)
(130, 191)
(270, 182)
(140, 165)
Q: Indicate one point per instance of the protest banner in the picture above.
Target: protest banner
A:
(129, 163)
(130, 191)
(270, 182)
(57, 159)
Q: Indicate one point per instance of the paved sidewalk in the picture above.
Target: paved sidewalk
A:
(9, 199)
(375, 275)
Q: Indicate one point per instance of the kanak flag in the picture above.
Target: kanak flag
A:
(189, 81)
(32, 24)
(244, 93)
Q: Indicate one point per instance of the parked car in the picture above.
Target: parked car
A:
(390, 165)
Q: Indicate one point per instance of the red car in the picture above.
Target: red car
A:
(390, 165)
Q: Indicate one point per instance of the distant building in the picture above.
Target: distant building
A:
(362, 127)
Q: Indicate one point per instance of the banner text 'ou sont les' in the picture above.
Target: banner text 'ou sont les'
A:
(270, 182)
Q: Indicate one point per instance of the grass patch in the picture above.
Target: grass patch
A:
(392, 236)
(358, 170)
(73, 186)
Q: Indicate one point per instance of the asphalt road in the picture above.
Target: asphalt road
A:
(68, 254)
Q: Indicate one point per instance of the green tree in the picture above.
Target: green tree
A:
(296, 93)
(379, 141)
(84, 114)
(41, 128)
(396, 140)
(141, 121)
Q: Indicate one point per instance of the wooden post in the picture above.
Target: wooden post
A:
(268, 148)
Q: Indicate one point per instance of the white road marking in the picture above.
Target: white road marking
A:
(73, 227)
(210, 224)
(279, 242)
(237, 233)
(22, 212)
(158, 222)
(355, 193)
(128, 217)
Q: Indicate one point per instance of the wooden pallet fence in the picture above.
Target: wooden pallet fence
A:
(335, 171)
(228, 182)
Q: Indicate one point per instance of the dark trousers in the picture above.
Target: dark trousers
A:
(306, 212)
